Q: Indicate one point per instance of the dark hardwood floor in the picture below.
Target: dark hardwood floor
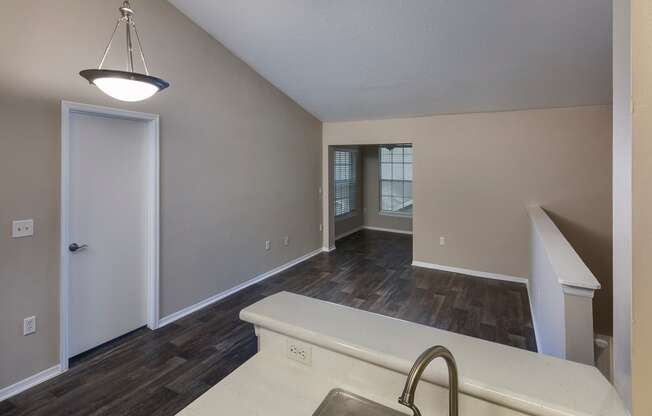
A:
(160, 372)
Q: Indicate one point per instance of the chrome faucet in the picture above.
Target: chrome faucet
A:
(407, 398)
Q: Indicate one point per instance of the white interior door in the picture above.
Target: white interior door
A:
(109, 160)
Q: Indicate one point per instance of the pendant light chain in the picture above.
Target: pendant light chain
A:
(140, 48)
(108, 47)
(130, 49)
(127, 19)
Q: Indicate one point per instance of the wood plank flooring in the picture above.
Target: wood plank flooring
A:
(160, 372)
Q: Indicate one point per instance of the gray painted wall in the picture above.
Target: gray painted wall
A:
(240, 162)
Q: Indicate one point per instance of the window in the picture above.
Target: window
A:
(345, 182)
(396, 180)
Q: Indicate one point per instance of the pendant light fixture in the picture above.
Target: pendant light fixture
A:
(125, 85)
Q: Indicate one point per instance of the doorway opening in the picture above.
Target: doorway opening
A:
(371, 187)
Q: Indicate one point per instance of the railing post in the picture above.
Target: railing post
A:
(561, 291)
(578, 312)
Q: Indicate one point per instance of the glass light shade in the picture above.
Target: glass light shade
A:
(126, 89)
(124, 86)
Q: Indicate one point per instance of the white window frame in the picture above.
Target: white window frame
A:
(380, 183)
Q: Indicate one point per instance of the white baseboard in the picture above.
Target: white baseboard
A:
(475, 273)
(348, 233)
(199, 305)
(388, 230)
(604, 355)
(328, 249)
(29, 382)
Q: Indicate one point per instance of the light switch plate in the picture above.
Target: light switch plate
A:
(22, 228)
(29, 325)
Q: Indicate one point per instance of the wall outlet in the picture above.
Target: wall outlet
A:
(286, 241)
(29, 325)
(268, 245)
(298, 351)
(442, 241)
(22, 228)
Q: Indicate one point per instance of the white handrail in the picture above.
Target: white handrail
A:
(569, 267)
(561, 293)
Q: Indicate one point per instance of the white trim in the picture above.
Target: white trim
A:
(604, 343)
(206, 302)
(328, 249)
(67, 109)
(29, 382)
(394, 214)
(351, 214)
(534, 321)
(578, 291)
(348, 233)
(475, 273)
(153, 293)
(365, 227)
(388, 230)
(568, 267)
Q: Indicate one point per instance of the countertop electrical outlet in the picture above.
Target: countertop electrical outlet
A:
(298, 351)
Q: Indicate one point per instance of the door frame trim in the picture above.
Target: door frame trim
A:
(69, 108)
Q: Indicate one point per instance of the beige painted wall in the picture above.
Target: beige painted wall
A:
(347, 224)
(371, 191)
(474, 174)
(641, 194)
(239, 162)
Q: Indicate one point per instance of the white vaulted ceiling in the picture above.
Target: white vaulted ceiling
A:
(368, 59)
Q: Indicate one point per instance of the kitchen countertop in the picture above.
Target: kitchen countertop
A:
(529, 382)
(254, 389)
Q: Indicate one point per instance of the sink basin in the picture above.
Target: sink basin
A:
(342, 403)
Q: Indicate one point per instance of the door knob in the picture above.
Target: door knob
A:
(75, 247)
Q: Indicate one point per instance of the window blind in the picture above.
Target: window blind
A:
(345, 182)
(396, 180)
